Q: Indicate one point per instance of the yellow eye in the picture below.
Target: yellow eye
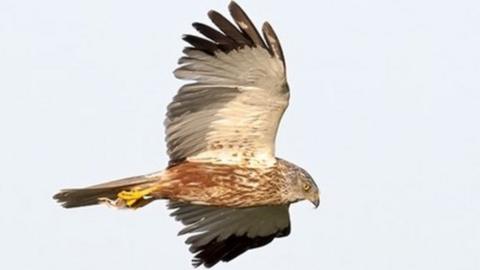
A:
(306, 187)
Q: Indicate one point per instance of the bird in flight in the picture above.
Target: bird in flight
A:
(223, 181)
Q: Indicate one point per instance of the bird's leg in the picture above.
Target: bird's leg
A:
(130, 197)
(113, 203)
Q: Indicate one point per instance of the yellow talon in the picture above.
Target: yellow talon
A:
(132, 196)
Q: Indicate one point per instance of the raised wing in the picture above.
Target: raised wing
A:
(222, 234)
(231, 112)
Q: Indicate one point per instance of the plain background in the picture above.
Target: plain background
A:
(384, 114)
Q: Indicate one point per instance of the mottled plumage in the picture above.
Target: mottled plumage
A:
(223, 181)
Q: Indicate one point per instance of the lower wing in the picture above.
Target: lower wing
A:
(222, 234)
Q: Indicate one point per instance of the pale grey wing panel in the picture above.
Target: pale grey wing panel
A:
(231, 113)
(221, 234)
(190, 117)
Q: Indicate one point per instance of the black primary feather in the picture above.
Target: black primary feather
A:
(230, 37)
(201, 44)
(273, 42)
(230, 248)
(245, 24)
(210, 246)
(228, 28)
(226, 44)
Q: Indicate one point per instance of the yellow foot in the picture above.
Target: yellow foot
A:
(130, 197)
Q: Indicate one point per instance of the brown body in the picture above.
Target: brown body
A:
(225, 185)
(194, 182)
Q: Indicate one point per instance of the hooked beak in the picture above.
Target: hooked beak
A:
(315, 201)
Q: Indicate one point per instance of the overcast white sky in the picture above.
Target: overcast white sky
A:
(384, 114)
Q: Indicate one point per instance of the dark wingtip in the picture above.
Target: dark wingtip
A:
(230, 248)
(234, 8)
(233, 5)
(273, 42)
(227, 36)
(200, 44)
(213, 13)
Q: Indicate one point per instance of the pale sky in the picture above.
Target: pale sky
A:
(384, 114)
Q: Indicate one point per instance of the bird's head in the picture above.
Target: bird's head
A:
(307, 187)
(301, 185)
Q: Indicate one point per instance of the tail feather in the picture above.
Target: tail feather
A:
(77, 197)
(70, 198)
